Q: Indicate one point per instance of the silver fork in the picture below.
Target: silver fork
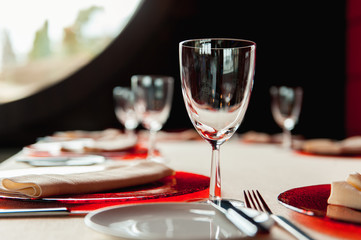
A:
(255, 200)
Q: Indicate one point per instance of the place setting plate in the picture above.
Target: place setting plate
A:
(163, 221)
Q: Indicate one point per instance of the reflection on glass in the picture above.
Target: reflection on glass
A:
(41, 42)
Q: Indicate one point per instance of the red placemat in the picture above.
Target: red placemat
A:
(183, 186)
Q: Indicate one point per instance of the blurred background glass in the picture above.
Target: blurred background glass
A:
(124, 107)
(154, 95)
(42, 42)
(286, 107)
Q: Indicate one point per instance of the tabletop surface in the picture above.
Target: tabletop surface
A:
(265, 167)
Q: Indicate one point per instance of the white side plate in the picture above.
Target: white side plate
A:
(163, 221)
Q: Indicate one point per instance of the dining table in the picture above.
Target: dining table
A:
(268, 168)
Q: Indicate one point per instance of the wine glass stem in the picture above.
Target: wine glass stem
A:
(215, 181)
(151, 144)
(287, 138)
(130, 132)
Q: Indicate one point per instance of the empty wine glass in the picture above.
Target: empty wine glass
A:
(217, 80)
(286, 106)
(153, 103)
(124, 101)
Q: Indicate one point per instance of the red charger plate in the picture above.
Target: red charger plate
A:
(183, 186)
(311, 201)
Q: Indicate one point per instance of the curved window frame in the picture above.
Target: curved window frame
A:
(54, 100)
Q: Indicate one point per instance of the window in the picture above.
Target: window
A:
(42, 42)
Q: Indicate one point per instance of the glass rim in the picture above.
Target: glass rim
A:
(286, 86)
(251, 43)
(153, 77)
(118, 89)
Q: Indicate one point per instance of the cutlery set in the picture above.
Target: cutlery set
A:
(254, 218)
(261, 219)
(247, 221)
(256, 201)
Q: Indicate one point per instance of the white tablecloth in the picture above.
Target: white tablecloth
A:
(268, 168)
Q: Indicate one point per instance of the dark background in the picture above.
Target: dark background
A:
(299, 43)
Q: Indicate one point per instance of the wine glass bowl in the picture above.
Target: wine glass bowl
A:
(124, 101)
(153, 95)
(286, 107)
(217, 80)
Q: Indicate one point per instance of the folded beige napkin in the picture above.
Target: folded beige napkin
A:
(348, 146)
(256, 137)
(117, 143)
(265, 138)
(322, 146)
(76, 134)
(343, 213)
(113, 177)
(347, 193)
(81, 141)
(351, 145)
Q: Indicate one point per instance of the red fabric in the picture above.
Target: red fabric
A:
(353, 68)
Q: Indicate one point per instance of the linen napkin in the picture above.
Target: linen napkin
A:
(343, 213)
(348, 146)
(256, 137)
(347, 193)
(351, 145)
(322, 146)
(112, 177)
(80, 141)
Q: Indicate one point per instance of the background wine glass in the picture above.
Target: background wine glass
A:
(217, 79)
(124, 101)
(153, 103)
(286, 107)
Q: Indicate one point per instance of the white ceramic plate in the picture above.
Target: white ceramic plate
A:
(163, 221)
(85, 160)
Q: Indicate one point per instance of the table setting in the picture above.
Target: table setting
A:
(56, 172)
(154, 184)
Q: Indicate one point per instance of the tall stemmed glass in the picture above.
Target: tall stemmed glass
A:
(286, 107)
(124, 101)
(153, 103)
(217, 80)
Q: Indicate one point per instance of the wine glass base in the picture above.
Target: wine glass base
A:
(235, 202)
(159, 159)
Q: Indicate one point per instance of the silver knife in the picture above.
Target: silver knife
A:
(242, 223)
(33, 212)
(261, 219)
